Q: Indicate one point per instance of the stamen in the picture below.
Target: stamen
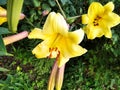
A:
(49, 49)
(56, 49)
(96, 21)
(58, 54)
(54, 52)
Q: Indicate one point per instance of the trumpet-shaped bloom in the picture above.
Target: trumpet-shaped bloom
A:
(99, 20)
(2, 17)
(14, 38)
(57, 42)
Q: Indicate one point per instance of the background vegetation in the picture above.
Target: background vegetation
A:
(98, 69)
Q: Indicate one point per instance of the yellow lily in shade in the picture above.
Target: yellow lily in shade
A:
(2, 17)
(99, 20)
(57, 40)
(3, 14)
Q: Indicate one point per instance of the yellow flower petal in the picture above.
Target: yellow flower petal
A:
(60, 25)
(111, 19)
(94, 10)
(41, 50)
(48, 27)
(76, 36)
(108, 33)
(55, 23)
(2, 11)
(36, 34)
(62, 60)
(70, 52)
(109, 7)
(2, 20)
(85, 19)
(93, 32)
(68, 49)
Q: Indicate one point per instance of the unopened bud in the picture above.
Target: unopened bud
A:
(22, 16)
(14, 38)
(45, 12)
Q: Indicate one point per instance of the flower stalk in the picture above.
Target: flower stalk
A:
(60, 9)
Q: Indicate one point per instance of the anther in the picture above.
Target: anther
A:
(56, 49)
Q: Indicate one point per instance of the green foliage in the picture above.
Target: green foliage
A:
(3, 50)
(2, 2)
(43, 71)
(4, 30)
(18, 81)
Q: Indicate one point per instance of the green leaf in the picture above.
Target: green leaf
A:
(4, 30)
(3, 2)
(46, 7)
(3, 69)
(36, 3)
(3, 51)
(65, 1)
(52, 3)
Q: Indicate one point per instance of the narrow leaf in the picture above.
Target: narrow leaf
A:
(3, 51)
(3, 69)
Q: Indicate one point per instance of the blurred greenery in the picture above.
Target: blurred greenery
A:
(98, 69)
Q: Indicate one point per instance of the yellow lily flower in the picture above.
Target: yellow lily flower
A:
(3, 14)
(57, 41)
(99, 20)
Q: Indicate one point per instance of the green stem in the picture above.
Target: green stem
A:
(29, 22)
(61, 9)
(75, 17)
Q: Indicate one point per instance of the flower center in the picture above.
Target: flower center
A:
(96, 21)
(54, 52)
